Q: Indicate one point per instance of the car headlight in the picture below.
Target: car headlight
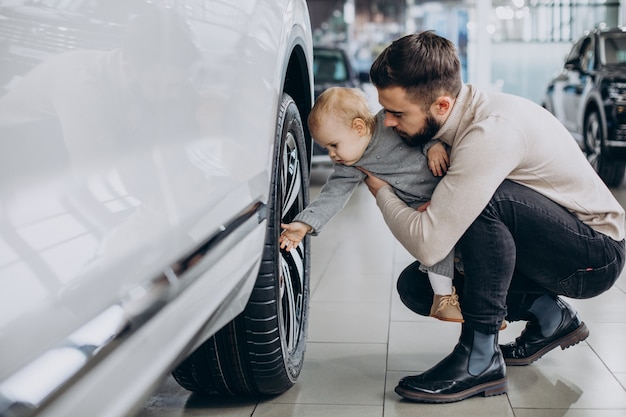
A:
(617, 91)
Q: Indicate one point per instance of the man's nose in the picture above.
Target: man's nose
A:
(390, 121)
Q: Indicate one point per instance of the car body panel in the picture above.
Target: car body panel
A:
(89, 222)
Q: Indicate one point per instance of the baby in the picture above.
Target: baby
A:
(342, 122)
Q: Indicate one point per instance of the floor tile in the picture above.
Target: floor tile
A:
(340, 374)
(364, 288)
(574, 378)
(321, 255)
(316, 410)
(535, 412)
(360, 260)
(401, 255)
(608, 341)
(348, 322)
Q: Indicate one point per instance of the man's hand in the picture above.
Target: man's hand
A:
(373, 183)
(292, 234)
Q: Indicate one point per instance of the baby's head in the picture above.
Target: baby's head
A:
(342, 122)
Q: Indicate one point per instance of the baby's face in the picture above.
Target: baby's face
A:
(345, 144)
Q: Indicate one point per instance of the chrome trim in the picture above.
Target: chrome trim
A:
(616, 143)
(31, 388)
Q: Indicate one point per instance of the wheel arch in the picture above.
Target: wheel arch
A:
(594, 104)
(298, 84)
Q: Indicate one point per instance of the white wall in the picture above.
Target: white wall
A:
(524, 68)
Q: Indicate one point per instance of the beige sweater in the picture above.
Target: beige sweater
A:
(493, 137)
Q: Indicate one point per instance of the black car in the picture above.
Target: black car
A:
(331, 68)
(589, 98)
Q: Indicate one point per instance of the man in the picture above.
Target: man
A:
(532, 219)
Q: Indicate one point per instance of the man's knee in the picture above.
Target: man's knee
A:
(414, 289)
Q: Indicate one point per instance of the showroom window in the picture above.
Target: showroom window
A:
(550, 21)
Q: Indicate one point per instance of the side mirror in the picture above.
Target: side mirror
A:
(364, 77)
(574, 64)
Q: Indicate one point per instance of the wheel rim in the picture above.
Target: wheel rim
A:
(592, 135)
(292, 269)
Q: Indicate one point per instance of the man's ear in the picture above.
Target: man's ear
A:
(443, 105)
(359, 125)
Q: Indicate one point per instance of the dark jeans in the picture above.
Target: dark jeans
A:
(522, 245)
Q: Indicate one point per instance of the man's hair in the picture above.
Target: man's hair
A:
(424, 64)
(342, 103)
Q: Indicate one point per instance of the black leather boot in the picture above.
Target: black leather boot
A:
(537, 339)
(474, 367)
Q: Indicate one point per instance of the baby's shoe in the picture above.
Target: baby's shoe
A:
(447, 307)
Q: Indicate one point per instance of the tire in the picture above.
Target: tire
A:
(611, 170)
(262, 350)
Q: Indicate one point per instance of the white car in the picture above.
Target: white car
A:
(149, 151)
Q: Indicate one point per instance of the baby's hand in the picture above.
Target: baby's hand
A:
(292, 234)
(438, 159)
(424, 206)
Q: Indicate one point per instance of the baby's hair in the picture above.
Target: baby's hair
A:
(344, 104)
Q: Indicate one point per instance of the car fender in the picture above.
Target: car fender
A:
(299, 43)
(593, 101)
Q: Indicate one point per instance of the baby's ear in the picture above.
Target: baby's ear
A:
(359, 125)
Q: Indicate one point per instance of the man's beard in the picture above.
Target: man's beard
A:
(424, 135)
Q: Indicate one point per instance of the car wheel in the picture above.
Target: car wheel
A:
(609, 169)
(262, 350)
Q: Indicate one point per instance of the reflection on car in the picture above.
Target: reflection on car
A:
(331, 68)
(146, 164)
(589, 98)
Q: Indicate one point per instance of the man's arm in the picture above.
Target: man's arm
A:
(478, 167)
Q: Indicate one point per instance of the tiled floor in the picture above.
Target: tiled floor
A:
(362, 340)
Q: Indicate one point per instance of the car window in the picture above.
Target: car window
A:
(329, 66)
(574, 54)
(613, 47)
(586, 55)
